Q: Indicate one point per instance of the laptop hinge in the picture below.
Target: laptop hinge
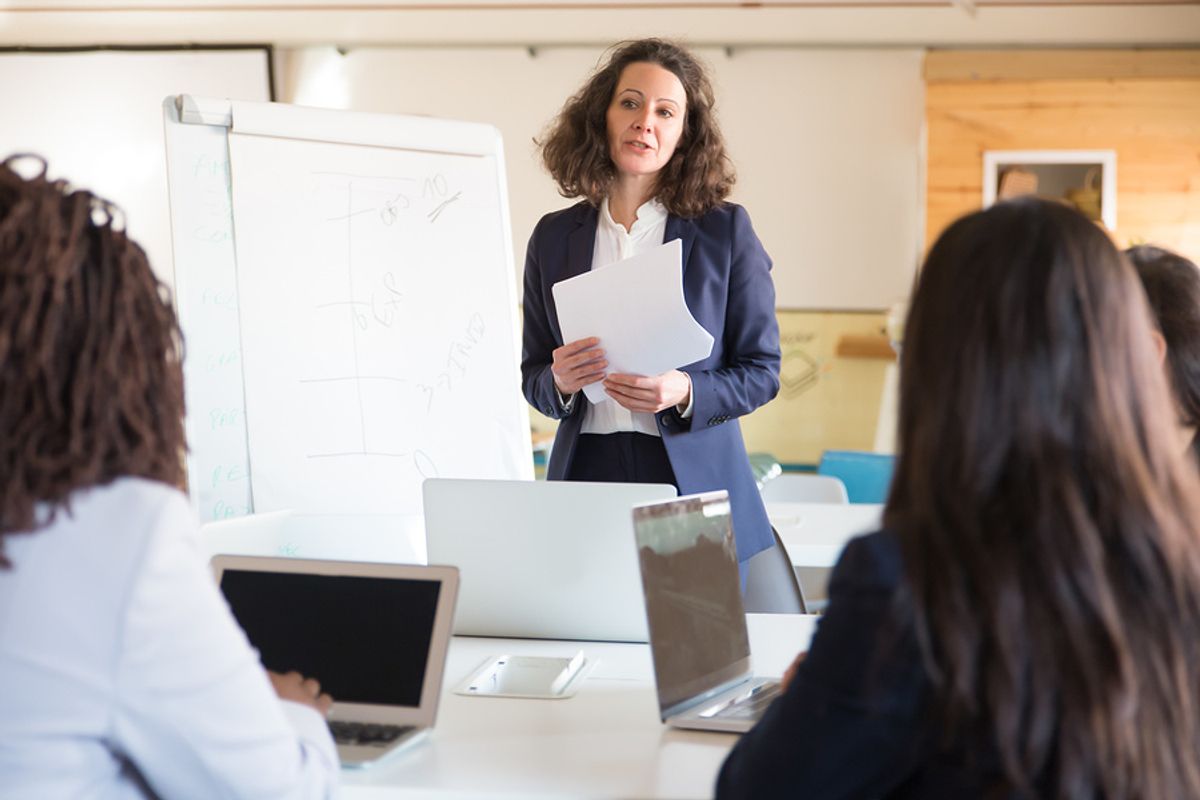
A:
(707, 697)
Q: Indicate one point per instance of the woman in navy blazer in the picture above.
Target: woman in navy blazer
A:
(639, 142)
(1028, 624)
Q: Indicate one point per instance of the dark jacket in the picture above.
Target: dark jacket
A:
(858, 720)
(727, 287)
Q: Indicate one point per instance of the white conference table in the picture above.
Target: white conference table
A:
(604, 742)
(814, 534)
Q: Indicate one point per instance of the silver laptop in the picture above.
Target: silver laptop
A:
(541, 559)
(374, 635)
(698, 637)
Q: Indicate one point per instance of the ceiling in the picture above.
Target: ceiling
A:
(984, 23)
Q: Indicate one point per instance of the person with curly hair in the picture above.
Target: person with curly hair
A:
(639, 143)
(124, 674)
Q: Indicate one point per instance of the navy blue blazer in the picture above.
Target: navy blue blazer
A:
(858, 720)
(727, 287)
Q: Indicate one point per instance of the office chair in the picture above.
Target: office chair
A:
(765, 467)
(793, 488)
(771, 583)
(867, 475)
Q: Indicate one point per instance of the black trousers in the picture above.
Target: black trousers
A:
(621, 458)
(628, 457)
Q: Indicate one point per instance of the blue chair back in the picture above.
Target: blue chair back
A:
(867, 475)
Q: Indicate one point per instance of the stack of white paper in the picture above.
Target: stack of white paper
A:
(636, 308)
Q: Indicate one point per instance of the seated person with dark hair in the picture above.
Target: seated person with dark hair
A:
(1027, 624)
(1172, 285)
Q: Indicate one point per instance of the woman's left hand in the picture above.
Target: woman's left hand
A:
(649, 393)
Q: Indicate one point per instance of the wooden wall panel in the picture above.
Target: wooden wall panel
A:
(951, 65)
(1153, 124)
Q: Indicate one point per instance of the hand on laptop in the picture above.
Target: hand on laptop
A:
(299, 689)
(790, 673)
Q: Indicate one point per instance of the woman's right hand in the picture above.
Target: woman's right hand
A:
(790, 674)
(576, 364)
(299, 689)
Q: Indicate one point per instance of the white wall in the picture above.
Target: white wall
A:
(826, 143)
(97, 118)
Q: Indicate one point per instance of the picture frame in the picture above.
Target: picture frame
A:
(1085, 179)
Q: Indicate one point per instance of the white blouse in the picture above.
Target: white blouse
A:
(614, 243)
(124, 675)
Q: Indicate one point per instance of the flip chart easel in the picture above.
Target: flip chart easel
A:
(345, 287)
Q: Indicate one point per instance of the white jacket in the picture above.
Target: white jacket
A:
(123, 673)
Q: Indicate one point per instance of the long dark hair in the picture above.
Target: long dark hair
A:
(1172, 285)
(575, 148)
(91, 387)
(1046, 514)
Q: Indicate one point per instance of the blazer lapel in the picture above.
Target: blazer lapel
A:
(685, 231)
(581, 242)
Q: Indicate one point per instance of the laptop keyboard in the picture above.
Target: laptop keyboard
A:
(747, 706)
(367, 733)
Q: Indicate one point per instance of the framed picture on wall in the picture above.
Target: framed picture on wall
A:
(1085, 179)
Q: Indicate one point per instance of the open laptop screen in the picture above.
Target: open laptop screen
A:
(522, 576)
(365, 639)
(693, 595)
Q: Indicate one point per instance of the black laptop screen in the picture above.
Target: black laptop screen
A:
(698, 635)
(365, 639)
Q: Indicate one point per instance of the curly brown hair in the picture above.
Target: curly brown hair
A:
(90, 353)
(575, 147)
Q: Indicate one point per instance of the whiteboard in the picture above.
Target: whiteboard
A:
(346, 291)
(94, 116)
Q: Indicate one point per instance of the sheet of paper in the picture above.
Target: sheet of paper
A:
(636, 308)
